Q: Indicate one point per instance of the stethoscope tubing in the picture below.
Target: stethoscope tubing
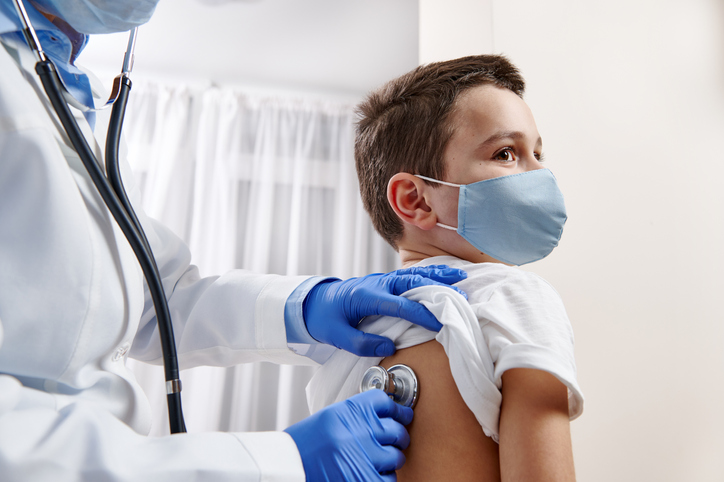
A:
(168, 343)
(115, 198)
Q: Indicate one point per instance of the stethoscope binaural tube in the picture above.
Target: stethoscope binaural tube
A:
(115, 198)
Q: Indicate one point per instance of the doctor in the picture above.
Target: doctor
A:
(73, 308)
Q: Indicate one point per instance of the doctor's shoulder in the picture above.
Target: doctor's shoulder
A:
(20, 106)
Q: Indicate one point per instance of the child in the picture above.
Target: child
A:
(449, 162)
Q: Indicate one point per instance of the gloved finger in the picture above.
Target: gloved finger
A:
(364, 344)
(438, 272)
(388, 459)
(392, 433)
(384, 407)
(409, 310)
(391, 477)
(400, 284)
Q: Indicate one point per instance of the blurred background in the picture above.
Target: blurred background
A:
(240, 129)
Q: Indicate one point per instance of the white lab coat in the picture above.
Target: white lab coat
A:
(73, 307)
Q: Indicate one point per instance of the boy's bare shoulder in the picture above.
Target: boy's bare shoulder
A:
(447, 442)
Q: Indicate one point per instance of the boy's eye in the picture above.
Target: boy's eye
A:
(505, 155)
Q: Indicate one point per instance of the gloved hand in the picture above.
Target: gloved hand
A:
(359, 439)
(333, 309)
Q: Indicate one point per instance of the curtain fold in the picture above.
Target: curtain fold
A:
(255, 182)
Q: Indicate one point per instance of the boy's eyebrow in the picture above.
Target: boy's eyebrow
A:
(515, 135)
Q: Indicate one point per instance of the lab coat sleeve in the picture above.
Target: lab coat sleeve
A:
(83, 443)
(237, 317)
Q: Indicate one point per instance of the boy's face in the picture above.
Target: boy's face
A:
(494, 135)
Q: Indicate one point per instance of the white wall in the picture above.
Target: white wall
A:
(331, 46)
(629, 99)
(455, 28)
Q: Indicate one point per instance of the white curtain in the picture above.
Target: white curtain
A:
(261, 183)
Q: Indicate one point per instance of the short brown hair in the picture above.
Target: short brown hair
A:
(405, 125)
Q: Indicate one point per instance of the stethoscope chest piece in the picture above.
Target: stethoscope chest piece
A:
(399, 382)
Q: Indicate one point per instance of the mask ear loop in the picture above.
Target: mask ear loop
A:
(444, 183)
(447, 227)
(439, 182)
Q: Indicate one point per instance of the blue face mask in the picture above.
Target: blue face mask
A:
(99, 16)
(516, 219)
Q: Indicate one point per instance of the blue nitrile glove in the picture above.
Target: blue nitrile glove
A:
(359, 439)
(334, 308)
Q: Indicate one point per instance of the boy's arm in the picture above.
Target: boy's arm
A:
(535, 437)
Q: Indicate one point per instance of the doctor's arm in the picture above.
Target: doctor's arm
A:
(535, 437)
(241, 316)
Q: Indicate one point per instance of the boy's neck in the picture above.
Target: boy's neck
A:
(412, 253)
(409, 257)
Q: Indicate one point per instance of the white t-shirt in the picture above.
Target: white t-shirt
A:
(511, 319)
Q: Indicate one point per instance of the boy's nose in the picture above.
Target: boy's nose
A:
(533, 164)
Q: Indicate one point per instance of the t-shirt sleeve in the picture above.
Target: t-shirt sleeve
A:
(526, 326)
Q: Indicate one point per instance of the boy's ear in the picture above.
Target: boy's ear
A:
(405, 193)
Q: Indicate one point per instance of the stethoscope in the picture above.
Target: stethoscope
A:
(110, 187)
(399, 382)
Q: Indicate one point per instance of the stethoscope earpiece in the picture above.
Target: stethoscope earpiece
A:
(399, 382)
